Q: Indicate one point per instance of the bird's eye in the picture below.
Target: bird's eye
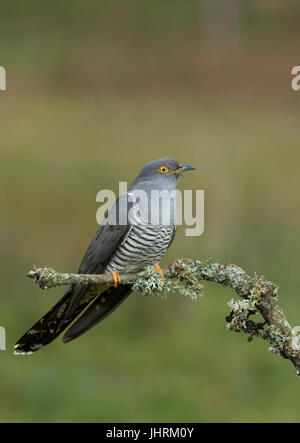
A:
(163, 169)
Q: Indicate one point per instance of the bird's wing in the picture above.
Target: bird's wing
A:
(173, 235)
(77, 298)
(102, 306)
(101, 249)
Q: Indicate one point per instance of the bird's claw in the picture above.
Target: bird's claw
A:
(117, 279)
(158, 269)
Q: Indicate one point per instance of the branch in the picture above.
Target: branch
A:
(256, 296)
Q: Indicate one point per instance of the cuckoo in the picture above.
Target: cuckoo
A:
(135, 233)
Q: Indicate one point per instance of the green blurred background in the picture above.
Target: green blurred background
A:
(94, 90)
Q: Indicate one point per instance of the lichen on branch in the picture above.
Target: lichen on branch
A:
(256, 296)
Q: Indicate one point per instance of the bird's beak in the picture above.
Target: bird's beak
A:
(183, 168)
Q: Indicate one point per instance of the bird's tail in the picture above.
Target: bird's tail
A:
(55, 322)
(97, 311)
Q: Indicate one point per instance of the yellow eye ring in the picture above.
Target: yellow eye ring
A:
(163, 169)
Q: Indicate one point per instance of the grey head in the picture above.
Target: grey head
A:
(160, 174)
(153, 189)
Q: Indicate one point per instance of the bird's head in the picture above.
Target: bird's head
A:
(163, 173)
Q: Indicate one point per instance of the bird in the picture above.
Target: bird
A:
(139, 237)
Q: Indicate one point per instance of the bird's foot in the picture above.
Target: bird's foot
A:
(117, 279)
(158, 269)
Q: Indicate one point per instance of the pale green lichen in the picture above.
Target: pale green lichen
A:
(43, 275)
(149, 282)
(277, 339)
(240, 312)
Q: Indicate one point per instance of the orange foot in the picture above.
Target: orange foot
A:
(159, 270)
(117, 279)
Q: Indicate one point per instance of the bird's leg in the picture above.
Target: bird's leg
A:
(117, 279)
(159, 270)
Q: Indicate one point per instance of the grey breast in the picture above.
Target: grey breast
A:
(145, 244)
